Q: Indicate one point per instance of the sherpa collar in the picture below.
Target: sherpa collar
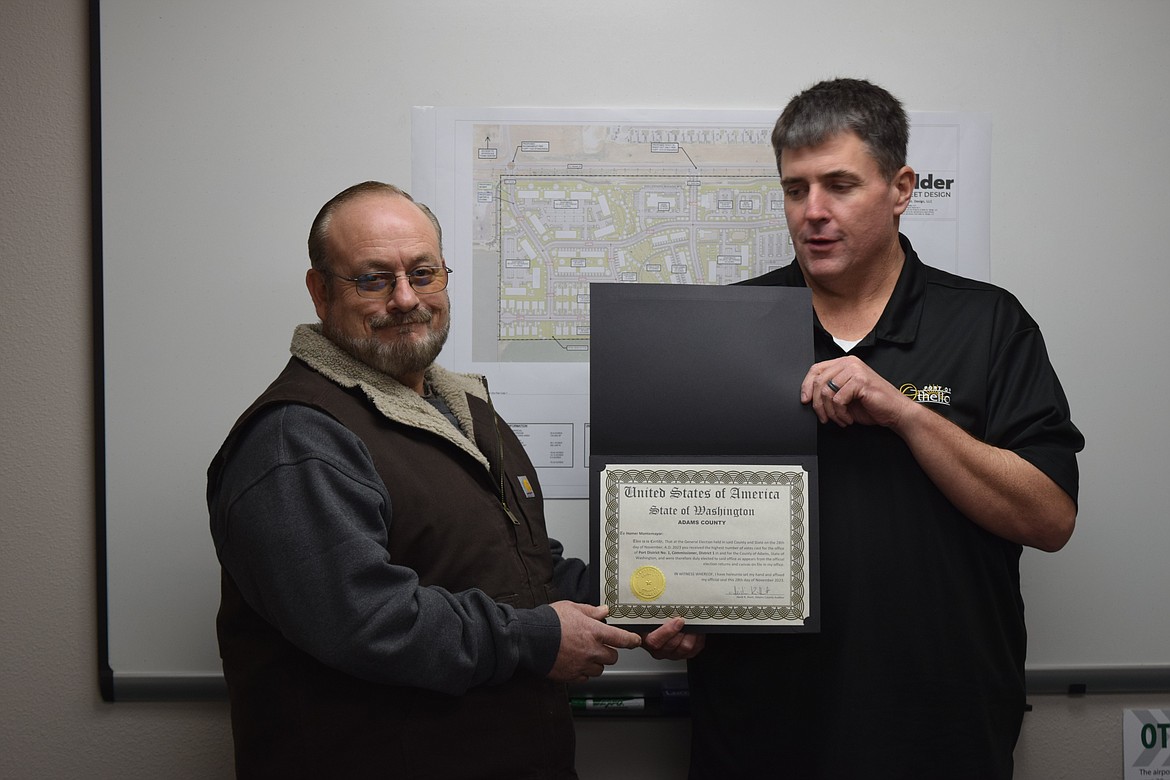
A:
(393, 399)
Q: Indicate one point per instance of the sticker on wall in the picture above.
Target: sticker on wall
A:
(1147, 744)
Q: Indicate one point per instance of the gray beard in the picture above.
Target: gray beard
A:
(396, 359)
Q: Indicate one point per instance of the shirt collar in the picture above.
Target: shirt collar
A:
(899, 321)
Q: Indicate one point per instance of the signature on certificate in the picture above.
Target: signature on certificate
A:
(751, 590)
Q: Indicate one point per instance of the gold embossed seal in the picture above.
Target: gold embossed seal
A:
(648, 582)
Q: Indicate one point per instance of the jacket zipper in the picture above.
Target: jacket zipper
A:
(533, 591)
(499, 454)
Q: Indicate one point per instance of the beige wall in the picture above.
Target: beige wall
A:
(53, 723)
(52, 720)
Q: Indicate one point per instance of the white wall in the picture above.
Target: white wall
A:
(52, 721)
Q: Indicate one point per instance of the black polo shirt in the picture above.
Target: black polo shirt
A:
(919, 668)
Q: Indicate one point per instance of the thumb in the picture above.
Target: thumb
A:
(618, 637)
(597, 613)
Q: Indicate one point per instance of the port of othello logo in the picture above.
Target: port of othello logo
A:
(930, 394)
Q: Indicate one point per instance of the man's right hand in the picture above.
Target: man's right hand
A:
(587, 644)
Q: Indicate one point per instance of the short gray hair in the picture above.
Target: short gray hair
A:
(846, 105)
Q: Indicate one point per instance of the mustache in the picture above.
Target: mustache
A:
(404, 318)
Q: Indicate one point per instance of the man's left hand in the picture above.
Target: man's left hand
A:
(847, 391)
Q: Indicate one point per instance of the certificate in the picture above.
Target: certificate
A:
(722, 545)
(703, 463)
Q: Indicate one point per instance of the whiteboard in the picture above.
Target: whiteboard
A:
(224, 126)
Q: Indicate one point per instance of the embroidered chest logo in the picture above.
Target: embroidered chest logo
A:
(526, 486)
(930, 394)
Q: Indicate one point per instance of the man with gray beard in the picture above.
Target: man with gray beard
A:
(391, 602)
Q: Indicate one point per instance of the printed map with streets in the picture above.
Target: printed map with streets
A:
(558, 207)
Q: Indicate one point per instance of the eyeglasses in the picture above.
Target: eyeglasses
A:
(381, 284)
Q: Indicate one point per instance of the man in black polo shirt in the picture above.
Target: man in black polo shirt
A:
(945, 447)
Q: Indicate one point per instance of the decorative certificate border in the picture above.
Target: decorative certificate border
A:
(795, 609)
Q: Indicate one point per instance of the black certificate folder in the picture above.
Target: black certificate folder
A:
(695, 393)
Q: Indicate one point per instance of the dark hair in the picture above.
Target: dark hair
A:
(319, 232)
(846, 105)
